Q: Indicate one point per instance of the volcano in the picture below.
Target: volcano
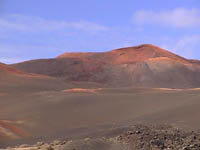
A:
(140, 66)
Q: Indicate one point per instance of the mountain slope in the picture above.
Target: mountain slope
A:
(8, 71)
(140, 66)
(13, 80)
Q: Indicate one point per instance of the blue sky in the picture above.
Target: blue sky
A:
(32, 29)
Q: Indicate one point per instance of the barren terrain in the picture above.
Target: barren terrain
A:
(81, 95)
(50, 114)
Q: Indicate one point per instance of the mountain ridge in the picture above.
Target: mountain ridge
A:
(142, 52)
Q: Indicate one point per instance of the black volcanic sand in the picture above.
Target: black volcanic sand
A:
(47, 114)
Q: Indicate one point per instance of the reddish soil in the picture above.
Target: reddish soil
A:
(11, 130)
(2, 94)
(80, 90)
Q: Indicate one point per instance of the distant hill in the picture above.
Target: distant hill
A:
(9, 70)
(8, 73)
(12, 79)
(140, 66)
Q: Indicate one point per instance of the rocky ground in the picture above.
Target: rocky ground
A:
(138, 137)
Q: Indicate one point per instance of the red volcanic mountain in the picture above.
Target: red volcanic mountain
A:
(140, 66)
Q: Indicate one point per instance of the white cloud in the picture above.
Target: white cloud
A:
(36, 24)
(179, 17)
(187, 46)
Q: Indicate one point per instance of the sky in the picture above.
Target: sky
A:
(34, 29)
